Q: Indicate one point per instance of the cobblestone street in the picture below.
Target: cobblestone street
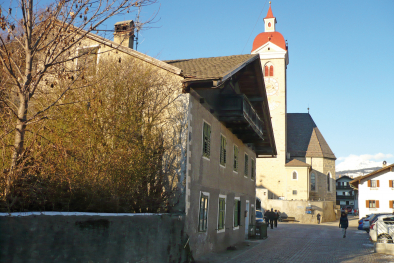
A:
(293, 242)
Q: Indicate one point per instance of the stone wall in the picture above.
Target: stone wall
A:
(289, 208)
(88, 237)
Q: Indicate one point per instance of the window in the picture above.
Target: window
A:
(206, 148)
(223, 152)
(253, 168)
(235, 166)
(87, 59)
(222, 212)
(246, 165)
(313, 182)
(268, 70)
(372, 203)
(373, 183)
(295, 175)
(328, 182)
(391, 183)
(203, 217)
(237, 211)
(294, 192)
(391, 204)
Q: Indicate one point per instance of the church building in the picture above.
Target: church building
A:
(304, 168)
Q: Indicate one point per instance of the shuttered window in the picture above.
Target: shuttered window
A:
(206, 140)
(252, 168)
(237, 212)
(246, 170)
(222, 213)
(372, 203)
(235, 165)
(203, 216)
(223, 151)
(391, 183)
(391, 202)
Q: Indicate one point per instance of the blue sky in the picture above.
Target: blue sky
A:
(341, 59)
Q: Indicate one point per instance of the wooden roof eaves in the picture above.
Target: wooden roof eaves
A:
(357, 180)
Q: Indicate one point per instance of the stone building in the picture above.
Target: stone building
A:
(229, 127)
(304, 168)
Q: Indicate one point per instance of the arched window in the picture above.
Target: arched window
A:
(313, 182)
(329, 181)
(295, 175)
(266, 71)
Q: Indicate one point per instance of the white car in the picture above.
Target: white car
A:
(382, 230)
(368, 219)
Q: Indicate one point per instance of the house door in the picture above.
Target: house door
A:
(247, 219)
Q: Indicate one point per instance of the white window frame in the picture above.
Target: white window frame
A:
(292, 177)
(374, 183)
(240, 214)
(224, 216)
(202, 140)
(199, 205)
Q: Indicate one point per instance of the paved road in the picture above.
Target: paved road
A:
(293, 242)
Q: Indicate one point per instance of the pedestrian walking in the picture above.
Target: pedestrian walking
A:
(276, 218)
(266, 218)
(271, 217)
(318, 218)
(343, 223)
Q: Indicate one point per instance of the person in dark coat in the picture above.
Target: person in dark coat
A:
(343, 223)
(271, 217)
(318, 218)
(276, 218)
(266, 217)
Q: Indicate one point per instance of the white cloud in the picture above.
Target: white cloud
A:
(354, 162)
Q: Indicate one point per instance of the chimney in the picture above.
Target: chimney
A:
(384, 164)
(124, 33)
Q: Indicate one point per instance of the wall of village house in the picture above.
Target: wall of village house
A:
(208, 176)
(271, 172)
(301, 184)
(384, 193)
(88, 237)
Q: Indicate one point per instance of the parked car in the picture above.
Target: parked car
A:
(382, 229)
(360, 224)
(366, 222)
(259, 216)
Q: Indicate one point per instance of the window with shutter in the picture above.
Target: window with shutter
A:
(374, 183)
(246, 170)
(203, 215)
(391, 203)
(206, 140)
(223, 152)
(377, 203)
(237, 211)
(266, 71)
(391, 184)
(222, 213)
(235, 165)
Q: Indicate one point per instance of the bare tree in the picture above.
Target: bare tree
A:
(36, 45)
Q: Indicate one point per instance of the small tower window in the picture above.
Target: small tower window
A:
(269, 24)
(268, 70)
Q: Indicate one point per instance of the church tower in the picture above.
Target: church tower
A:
(273, 51)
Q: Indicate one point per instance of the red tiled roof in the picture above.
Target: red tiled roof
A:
(273, 37)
